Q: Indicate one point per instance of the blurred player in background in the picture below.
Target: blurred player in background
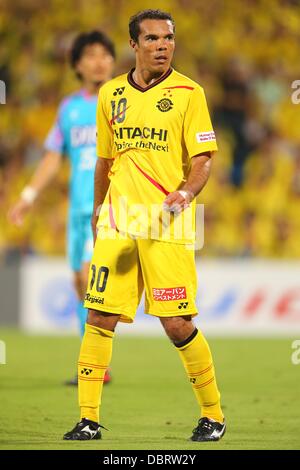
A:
(74, 134)
(155, 142)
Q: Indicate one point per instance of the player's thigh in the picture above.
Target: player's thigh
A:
(169, 274)
(113, 285)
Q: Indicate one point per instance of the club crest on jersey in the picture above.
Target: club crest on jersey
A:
(118, 91)
(164, 105)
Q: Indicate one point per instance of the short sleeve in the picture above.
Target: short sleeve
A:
(104, 130)
(55, 141)
(199, 135)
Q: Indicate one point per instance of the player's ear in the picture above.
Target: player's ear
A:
(133, 44)
(78, 70)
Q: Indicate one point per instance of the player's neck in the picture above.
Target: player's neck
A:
(144, 77)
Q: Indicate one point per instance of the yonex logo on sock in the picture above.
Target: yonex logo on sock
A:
(2, 352)
(86, 371)
(192, 380)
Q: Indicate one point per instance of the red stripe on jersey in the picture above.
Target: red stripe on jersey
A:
(149, 178)
(111, 215)
(118, 115)
(178, 86)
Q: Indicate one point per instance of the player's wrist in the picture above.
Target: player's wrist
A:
(29, 195)
(187, 195)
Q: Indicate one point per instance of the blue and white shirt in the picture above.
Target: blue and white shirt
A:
(74, 134)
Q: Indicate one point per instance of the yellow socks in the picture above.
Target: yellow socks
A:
(95, 356)
(197, 360)
(94, 359)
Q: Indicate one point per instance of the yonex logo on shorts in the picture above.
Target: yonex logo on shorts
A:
(205, 136)
(169, 293)
(183, 305)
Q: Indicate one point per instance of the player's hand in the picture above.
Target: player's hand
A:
(178, 201)
(17, 212)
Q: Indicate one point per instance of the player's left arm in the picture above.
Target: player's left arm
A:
(196, 180)
(200, 142)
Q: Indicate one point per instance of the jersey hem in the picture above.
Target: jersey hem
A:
(173, 314)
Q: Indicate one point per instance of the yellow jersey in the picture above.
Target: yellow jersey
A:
(151, 134)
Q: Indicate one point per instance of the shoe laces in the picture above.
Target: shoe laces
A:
(205, 424)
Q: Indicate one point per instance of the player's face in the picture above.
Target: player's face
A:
(155, 47)
(96, 64)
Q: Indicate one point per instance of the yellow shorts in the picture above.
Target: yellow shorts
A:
(122, 267)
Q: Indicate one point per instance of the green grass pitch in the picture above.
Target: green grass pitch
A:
(150, 404)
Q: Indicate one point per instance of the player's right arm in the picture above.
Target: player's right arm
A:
(44, 174)
(101, 185)
(105, 158)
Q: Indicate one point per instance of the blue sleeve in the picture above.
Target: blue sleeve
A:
(55, 140)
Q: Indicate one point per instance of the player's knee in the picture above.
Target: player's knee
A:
(178, 328)
(107, 321)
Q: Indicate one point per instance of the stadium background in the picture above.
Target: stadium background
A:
(245, 55)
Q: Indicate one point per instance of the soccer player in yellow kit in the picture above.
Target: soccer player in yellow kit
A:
(155, 143)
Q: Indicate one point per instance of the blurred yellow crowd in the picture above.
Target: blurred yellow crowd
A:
(244, 54)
